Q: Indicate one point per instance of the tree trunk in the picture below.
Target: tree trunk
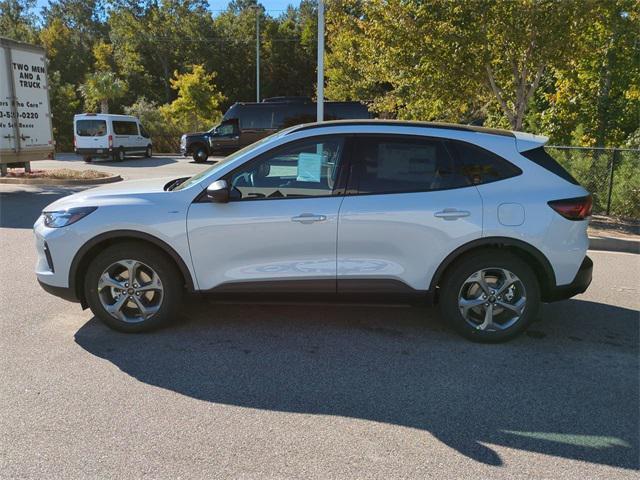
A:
(104, 105)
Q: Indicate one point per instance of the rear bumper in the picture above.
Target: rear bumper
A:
(94, 152)
(579, 284)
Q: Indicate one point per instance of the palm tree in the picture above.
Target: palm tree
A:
(101, 87)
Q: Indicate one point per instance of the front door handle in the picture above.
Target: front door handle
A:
(452, 214)
(307, 218)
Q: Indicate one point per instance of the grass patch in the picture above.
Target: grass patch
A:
(59, 174)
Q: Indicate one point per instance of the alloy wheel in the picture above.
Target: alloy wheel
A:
(492, 299)
(130, 291)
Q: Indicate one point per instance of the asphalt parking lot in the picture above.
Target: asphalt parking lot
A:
(309, 391)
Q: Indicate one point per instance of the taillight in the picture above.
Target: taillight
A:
(573, 208)
(110, 141)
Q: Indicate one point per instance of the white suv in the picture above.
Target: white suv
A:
(483, 222)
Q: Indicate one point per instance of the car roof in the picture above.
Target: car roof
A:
(104, 115)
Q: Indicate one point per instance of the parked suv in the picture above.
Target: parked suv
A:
(101, 135)
(247, 122)
(483, 222)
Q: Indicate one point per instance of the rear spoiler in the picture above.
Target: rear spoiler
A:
(529, 141)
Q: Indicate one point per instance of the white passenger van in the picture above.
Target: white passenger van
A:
(100, 135)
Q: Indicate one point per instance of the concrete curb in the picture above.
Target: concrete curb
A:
(614, 244)
(59, 181)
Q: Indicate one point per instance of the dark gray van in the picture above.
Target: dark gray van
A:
(247, 122)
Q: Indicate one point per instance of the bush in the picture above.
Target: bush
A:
(592, 169)
(165, 137)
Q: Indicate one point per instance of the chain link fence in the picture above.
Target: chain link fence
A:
(612, 175)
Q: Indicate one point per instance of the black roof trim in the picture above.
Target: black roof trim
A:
(406, 123)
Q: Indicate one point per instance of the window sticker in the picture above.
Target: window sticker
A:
(309, 167)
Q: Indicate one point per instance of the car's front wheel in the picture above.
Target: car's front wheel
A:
(490, 296)
(133, 287)
(200, 155)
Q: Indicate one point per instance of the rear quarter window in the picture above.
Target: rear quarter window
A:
(541, 157)
(479, 165)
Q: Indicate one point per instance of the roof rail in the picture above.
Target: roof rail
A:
(289, 99)
(406, 123)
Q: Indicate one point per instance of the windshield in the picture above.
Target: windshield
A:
(214, 168)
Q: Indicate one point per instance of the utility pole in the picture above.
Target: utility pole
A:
(257, 9)
(320, 81)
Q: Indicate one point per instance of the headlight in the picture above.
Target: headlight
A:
(62, 218)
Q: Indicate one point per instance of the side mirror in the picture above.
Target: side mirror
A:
(218, 191)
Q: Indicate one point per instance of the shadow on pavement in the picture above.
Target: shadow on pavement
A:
(20, 209)
(130, 162)
(568, 388)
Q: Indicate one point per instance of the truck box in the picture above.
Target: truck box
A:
(25, 115)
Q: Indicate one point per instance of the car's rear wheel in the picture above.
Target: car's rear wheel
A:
(200, 155)
(119, 155)
(490, 296)
(133, 287)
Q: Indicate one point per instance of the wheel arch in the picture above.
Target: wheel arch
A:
(98, 243)
(198, 143)
(535, 258)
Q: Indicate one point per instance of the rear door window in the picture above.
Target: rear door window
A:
(397, 164)
(478, 165)
(91, 128)
(125, 128)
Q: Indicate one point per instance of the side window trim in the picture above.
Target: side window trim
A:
(353, 186)
(338, 188)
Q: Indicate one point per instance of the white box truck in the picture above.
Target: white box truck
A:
(25, 115)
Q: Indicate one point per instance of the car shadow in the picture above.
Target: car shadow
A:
(20, 209)
(568, 388)
(134, 162)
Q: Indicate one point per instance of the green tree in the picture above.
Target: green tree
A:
(17, 20)
(152, 39)
(100, 88)
(64, 104)
(198, 104)
(594, 97)
(448, 60)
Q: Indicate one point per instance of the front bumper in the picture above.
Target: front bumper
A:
(579, 284)
(65, 293)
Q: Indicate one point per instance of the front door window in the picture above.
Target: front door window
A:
(308, 169)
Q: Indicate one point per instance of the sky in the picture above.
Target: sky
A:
(273, 7)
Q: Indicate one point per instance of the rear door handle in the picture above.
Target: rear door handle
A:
(452, 214)
(308, 218)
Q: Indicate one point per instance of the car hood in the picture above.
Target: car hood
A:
(128, 192)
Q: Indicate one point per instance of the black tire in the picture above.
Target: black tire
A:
(170, 278)
(87, 159)
(148, 153)
(455, 278)
(119, 155)
(200, 155)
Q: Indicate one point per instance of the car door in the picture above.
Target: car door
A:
(279, 228)
(226, 138)
(407, 206)
(140, 141)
